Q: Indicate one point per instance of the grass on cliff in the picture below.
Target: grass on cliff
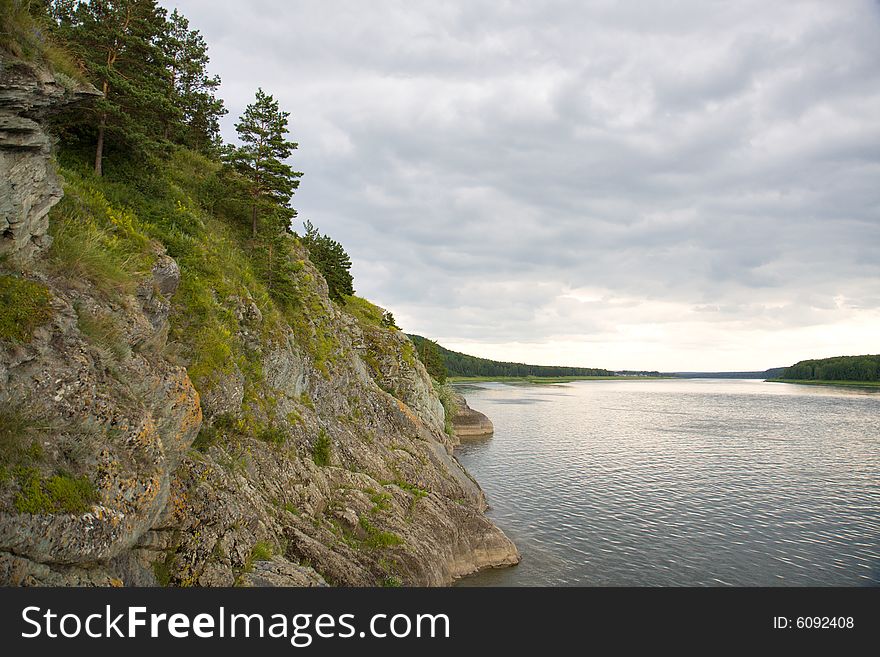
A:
(60, 493)
(107, 231)
(450, 405)
(25, 33)
(102, 330)
(24, 306)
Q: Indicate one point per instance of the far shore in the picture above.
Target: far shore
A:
(550, 379)
(815, 382)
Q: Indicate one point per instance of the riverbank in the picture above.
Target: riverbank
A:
(540, 380)
(814, 382)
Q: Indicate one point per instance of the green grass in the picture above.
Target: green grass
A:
(24, 34)
(102, 330)
(322, 449)
(18, 432)
(364, 311)
(539, 380)
(376, 538)
(272, 435)
(450, 405)
(61, 493)
(845, 384)
(24, 306)
(261, 551)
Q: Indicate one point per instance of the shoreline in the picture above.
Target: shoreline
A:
(820, 382)
(544, 380)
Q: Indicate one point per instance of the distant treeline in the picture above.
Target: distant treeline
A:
(458, 364)
(765, 374)
(839, 368)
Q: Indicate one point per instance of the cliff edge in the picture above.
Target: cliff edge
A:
(164, 421)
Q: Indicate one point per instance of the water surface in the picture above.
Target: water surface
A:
(695, 482)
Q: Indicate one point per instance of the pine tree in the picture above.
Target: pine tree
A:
(192, 89)
(331, 260)
(429, 354)
(262, 129)
(118, 41)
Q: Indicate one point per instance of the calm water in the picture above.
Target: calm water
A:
(700, 482)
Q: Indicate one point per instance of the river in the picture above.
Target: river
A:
(681, 483)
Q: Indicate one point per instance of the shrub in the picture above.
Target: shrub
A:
(322, 449)
(273, 435)
(24, 305)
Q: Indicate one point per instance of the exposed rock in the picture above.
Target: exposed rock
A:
(29, 186)
(322, 444)
(469, 423)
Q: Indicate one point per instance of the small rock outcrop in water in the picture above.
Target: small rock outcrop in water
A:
(469, 423)
(29, 186)
(339, 472)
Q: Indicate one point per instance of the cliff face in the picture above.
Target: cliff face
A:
(317, 457)
(29, 186)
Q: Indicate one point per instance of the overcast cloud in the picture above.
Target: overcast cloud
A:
(694, 186)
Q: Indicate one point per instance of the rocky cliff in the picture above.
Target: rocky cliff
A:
(29, 186)
(311, 452)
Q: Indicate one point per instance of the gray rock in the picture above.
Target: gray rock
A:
(29, 186)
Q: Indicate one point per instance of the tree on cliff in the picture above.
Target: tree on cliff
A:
(262, 129)
(192, 89)
(331, 260)
(429, 354)
(119, 43)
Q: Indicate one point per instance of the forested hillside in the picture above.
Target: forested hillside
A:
(838, 368)
(458, 364)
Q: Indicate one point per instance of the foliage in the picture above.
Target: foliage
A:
(24, 306)
(272, 435)
(450, 405)
(838, 368)
(152, 71)
(261, 551)
(119, 43)
(19, 430)
(262, 129)
(192, 88)
(332, 261)
(458, 364)
(26, 32)
(322, 449)
(429, 354)
(377, 538)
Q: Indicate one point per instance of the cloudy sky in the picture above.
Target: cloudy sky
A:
(693, 187)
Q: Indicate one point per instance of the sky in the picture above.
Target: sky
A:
(686, 185)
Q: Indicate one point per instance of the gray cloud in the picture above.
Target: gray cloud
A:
(692, 187)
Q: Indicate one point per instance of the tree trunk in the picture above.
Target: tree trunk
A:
(270, 267)
(254, 218)
(99, 149)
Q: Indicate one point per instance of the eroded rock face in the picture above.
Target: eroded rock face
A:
(29, 186)
(469, 423)
(328, 465)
